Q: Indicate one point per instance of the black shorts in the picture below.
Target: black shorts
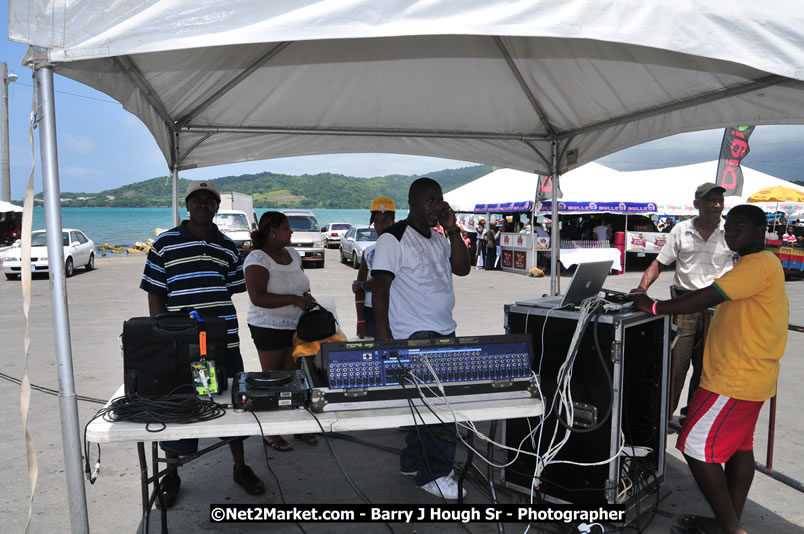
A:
(271, 338)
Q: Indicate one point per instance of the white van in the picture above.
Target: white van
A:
(306, 238)
(235, 225)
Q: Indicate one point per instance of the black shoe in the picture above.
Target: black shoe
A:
(244, 476)
(169, 487)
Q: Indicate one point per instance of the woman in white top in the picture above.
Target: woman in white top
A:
(279, 292)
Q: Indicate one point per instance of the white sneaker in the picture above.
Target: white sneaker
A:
(444, 487)
(413, 473)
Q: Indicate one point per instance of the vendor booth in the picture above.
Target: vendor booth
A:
(10, 221)
(645, 192)
(516, 254)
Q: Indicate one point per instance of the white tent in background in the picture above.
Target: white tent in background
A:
(672, 189)
(508, 185)
(6, 207)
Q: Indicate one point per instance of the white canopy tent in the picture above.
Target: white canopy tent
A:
(672, 189)
(538, 86)
(6, 207)
(509, 185)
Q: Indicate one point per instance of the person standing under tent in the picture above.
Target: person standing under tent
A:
(789, 237)
(746, 340)
(491, 248)
(383, 212)
(195, 266)
(699, 250)
(278, 292)
(481, 243)
(601, 230)
(413, 299)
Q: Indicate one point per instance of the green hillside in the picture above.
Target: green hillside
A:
(270, 190)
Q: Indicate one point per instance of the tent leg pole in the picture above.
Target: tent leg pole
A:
(625, 245)
(68, 404)
(175, 195)
(555, 237)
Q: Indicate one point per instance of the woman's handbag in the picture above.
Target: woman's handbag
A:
(316, 324)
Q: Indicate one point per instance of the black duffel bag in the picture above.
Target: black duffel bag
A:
(316, 324)
(158, 350)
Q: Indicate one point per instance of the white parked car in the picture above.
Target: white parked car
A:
(333, 233)
(79, 251)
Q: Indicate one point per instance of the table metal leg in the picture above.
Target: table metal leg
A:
(469, 457)
(171, 467)
(490, 470)
(144, 481)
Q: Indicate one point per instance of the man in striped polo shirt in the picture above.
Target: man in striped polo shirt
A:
(699, 250)
(195, 266)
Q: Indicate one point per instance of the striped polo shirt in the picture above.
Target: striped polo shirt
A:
(194, 273)
(698, 262)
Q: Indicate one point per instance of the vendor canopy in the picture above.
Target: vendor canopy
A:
(493, 81)
(673, 188)
(596, 188)
(6, 207)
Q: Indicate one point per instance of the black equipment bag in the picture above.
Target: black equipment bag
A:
(316, 324)
(158, 350)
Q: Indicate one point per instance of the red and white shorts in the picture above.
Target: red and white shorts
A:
(717, 426)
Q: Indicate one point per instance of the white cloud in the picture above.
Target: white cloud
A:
(130, 121)
(79, 144)
(78, 173)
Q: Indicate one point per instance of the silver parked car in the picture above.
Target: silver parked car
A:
(333, 233)
(79, 251)
(356, 240)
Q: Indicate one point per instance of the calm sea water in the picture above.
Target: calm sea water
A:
(125, 226)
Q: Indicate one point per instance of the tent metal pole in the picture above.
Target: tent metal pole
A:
(555, 237)
(625, 245)
(175, 194)
(68, 404)
(533, 216)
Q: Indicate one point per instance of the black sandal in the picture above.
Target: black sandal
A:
(310, 439)
(694, 524)
(278, 443)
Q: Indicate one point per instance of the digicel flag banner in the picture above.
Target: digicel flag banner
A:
(544, 190)
(732, 151)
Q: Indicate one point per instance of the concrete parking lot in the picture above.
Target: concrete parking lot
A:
(101, 300)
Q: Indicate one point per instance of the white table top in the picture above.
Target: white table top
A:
(571, 256)
(300, 421)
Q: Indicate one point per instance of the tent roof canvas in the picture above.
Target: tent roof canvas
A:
(495, 82)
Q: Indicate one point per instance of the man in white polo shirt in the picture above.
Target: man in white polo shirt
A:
(413, 299)
(699, 250)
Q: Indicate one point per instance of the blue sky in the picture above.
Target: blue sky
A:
(102, 146)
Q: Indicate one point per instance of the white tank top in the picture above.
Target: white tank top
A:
(282, 280)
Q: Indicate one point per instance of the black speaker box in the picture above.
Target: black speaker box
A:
(636, 358)
(157, 352)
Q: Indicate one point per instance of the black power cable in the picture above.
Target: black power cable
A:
(595, 319)
(51, 391)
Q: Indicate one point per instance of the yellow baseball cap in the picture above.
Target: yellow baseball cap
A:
(383, 204)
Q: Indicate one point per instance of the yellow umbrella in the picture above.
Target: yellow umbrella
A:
(777, 194)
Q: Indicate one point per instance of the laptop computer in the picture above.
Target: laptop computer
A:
(586, 282)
